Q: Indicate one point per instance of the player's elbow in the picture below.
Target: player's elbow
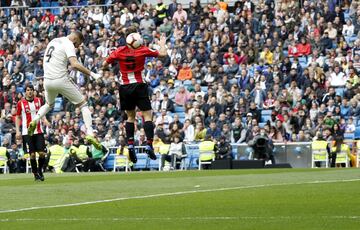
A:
(163, 55)
(74, 63)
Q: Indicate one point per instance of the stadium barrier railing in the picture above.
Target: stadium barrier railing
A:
(297, 154)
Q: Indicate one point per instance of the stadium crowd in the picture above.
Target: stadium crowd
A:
(297, 60)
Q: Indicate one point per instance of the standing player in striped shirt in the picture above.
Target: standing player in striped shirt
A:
(134, 90)
(26, 111)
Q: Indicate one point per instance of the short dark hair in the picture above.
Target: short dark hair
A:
(130, 30)
(79, 35)
(29, 86)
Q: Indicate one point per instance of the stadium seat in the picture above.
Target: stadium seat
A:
(54, 4)
(155, 164)
(234, 151)
(109, 162)
(208, 153)
(204, 89)
(262, 125)
(339, 91)
(342, 158)
(349, 136)
(45, 4)
(265, 118)
(179, 109)
(357, 132)
(55, 11)
(192, 152)
(193, 163)
(142, 161)
(121, 161)
(58, 104)
(266, 112)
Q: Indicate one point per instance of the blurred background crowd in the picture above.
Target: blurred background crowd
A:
(285, 68)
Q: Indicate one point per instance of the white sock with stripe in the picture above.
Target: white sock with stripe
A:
(87, 120)
(42, 112)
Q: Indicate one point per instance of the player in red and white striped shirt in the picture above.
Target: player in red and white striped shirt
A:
(134, 90)
(26, 111)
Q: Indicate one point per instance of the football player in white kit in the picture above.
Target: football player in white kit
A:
(58, 53)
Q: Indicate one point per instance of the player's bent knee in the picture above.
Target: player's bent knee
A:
(130, 115)
(51, 106)
(82, 104)
(147, 115)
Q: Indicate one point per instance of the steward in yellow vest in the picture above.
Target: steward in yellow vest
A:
(160, 12)
(319, 146)
(56, 156)
(207, 149)
(338, 146)
(3, 156)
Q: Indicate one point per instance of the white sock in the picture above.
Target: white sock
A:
(42, 112)
(87, 120)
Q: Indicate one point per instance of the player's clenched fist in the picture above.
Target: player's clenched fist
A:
(96, 75)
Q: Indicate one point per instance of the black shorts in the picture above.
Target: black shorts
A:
(134, 95)
(35, 143)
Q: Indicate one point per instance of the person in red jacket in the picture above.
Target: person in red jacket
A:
(303, 48)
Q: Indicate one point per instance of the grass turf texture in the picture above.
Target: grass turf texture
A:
(256, 199)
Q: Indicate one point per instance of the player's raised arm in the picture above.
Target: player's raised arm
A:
(77, 39)
(78, 66)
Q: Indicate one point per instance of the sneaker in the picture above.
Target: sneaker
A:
(31, 128)
(37, 177)
(93, 141)
(41, 176)
(132, 154)
(150, 152)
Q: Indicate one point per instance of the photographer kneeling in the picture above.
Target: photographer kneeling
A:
(262, 147)
(223, 149)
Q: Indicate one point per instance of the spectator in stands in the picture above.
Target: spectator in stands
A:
(182, 96)
(176, 152)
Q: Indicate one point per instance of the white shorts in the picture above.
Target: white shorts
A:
(63, 86)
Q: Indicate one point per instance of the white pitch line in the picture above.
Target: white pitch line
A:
(121, 219)
(172, 194)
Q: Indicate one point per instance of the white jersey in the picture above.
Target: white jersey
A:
(56, 57)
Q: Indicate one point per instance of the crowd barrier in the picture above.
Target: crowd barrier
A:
(297, 154)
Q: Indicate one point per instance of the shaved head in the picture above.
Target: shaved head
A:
(77, 38)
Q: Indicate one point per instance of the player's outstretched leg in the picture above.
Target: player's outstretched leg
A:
(42, 112)
(130, 130)
(88, 124)
(149, 132)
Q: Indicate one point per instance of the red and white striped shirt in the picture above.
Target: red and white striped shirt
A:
(131, 63)
(27, 110)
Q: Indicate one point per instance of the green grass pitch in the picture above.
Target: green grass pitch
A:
(236, 199)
